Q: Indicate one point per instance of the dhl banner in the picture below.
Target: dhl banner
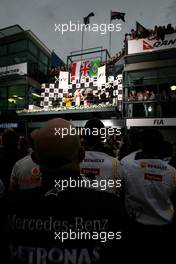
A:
(149, 45)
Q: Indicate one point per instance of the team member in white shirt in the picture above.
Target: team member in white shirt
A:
(98, 164)
(26, 173)
(149, 182)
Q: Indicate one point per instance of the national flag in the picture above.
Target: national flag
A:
(94, 68)
(87, 18)
(85, 69)
(140, 28)
(117, 15)
(76, 70)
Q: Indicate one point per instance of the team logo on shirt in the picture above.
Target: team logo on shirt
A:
(156, 166)
(143, 164)
(153, 177)
(95, 171)
(35, 171)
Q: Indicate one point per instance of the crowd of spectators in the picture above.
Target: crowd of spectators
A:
(142, 96)
(146, 95)
(151, 103)
(52, 71)
(142, 208)
(14, 147)
(157, 33)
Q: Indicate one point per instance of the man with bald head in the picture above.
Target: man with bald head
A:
(64, 221)
(58, 149)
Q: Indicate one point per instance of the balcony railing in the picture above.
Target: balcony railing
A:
(149, 109)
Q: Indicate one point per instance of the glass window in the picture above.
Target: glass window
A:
(16, 97)
(17, 46)
(150, 77)
(42, 68)
(136, 78)
(14, 59)
(31, 58)
(34, 97)
(33, 48)
(3, 50)
(166, 75)
(43, 58)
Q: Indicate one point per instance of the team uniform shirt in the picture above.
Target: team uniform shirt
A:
(102, 168)
(26, 174)
(148, 186)
(35, 227)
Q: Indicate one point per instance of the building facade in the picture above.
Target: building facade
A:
(24, 63)
(150, 78)
(149, 81)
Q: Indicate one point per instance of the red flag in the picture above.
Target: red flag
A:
(76, 70)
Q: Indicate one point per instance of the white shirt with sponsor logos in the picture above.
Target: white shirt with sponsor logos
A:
(149, 184)
(25, 174)
(102, 166)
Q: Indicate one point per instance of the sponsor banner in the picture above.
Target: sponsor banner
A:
(9, 125)
(149, 45)
(63, 80)
(151, 122)
(20, 69)
(101, 75)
